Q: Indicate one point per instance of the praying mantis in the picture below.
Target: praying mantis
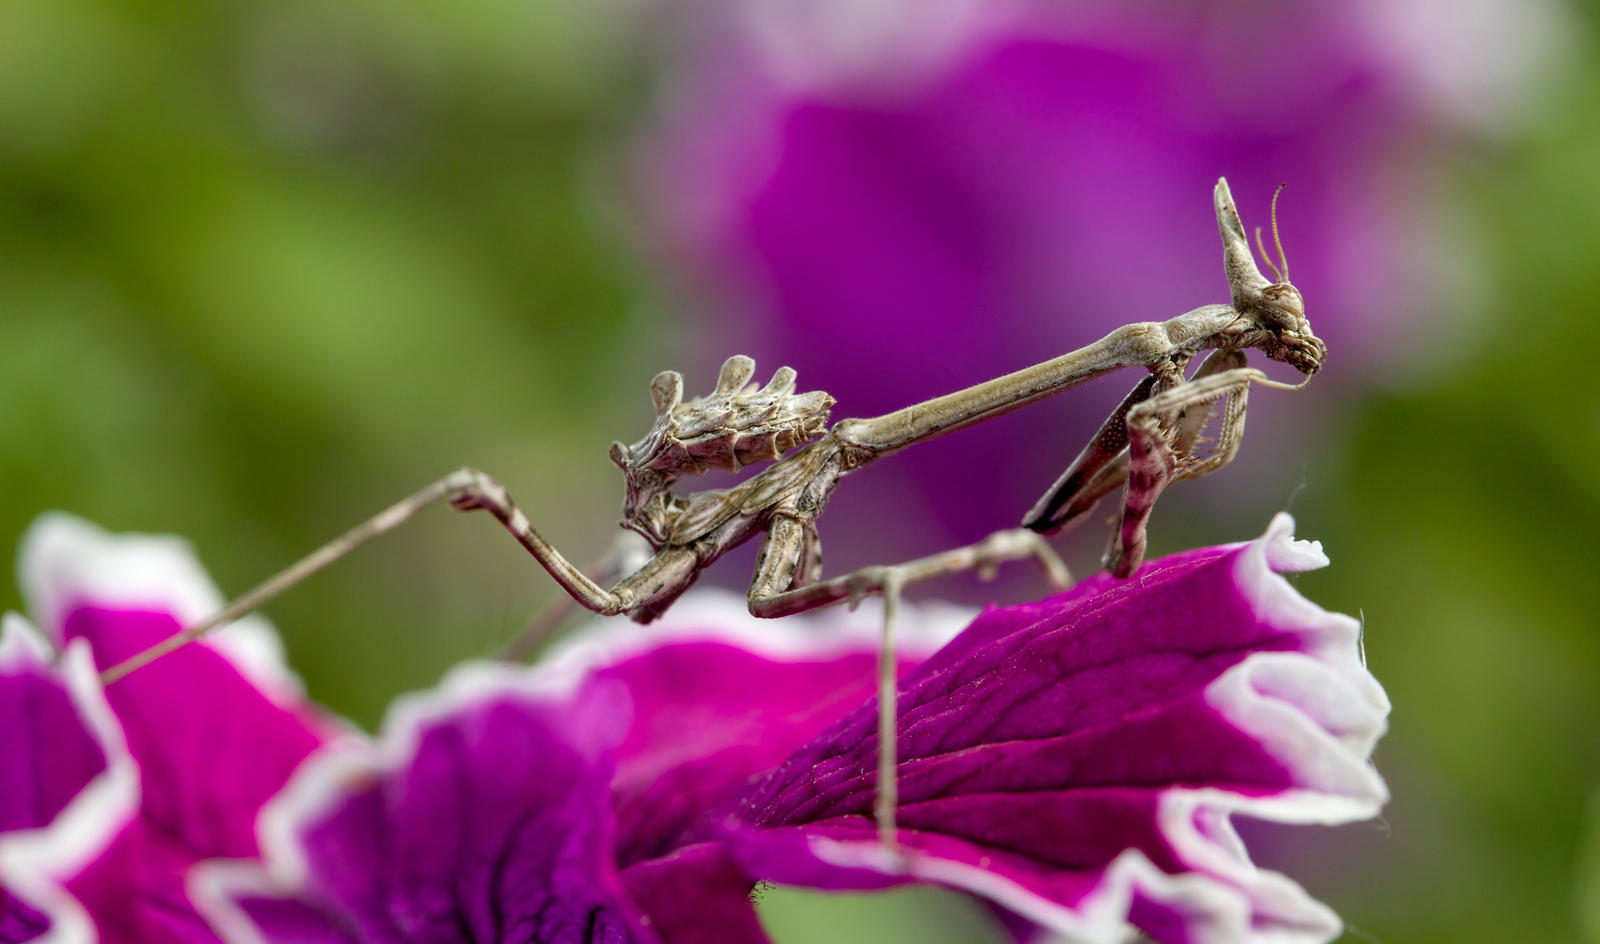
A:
(1150, 440)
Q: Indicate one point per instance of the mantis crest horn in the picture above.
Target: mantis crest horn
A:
(736, 425)
(1243, 275)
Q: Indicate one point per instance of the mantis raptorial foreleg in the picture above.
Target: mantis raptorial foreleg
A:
(1159, 422)
(1157, 454)
(1192, 421)
(1099, 468)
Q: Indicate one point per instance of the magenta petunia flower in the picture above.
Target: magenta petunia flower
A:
(68, 787)
(564, 803)
(1075, 761)
(215, 729)
(900, 199)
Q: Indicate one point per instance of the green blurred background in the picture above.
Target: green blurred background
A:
(266, 267)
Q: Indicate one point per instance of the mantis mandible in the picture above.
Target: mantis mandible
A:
(1149, 441)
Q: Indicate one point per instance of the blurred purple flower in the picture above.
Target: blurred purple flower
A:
(215, 728)
(1074, 761)
(902, 198)
(69, 785)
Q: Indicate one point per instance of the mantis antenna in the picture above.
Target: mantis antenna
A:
(1148, 442)
(1283, 273)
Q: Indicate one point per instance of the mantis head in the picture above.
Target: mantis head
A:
(736, 425)
(1276, 307)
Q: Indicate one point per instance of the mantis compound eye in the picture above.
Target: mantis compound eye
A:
(1283, 306)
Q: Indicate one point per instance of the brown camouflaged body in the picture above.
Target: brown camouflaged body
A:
(736, 425)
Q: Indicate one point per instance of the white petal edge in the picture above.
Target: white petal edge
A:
(322, 779)
(1101, 916)
(213, 887)
(702, 616)
(67, 562)
(34, 863)
(21, 646)
(1319, 712)
(715, 615)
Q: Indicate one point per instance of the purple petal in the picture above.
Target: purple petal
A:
(216, 727)
(67, 563)
(69, 784)
(1078, 760)
(696, 895)
(616, 748)
(482, 813)
(1075, 761)
(721, 697)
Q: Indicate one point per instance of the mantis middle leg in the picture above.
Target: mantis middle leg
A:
(790, 554)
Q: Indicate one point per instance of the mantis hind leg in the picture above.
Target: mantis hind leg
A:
(661, 578)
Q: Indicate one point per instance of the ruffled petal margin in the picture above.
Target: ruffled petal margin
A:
(1078, 760)
(215, 728)
(69, 787)
(720, 698)
(481, 813)
(647, 730)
